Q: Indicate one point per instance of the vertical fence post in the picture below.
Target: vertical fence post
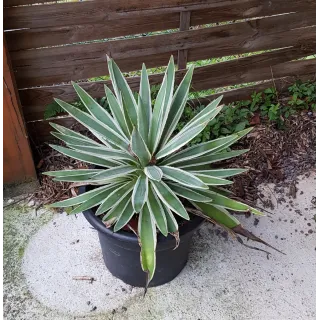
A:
(184, 25)
(18, 166)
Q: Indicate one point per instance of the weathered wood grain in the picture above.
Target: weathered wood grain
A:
(61, 64)
(254, 68)
(18, 164)
(51, 36)
(115, 27)
(123, 5)
(184, 25)
(89, 12)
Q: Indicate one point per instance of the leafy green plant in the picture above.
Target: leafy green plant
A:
(144, 170)
(303, 95)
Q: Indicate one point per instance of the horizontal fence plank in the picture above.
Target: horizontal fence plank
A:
(44, 37)
(40, 130)
(254, 68)
(89, 12)
(122, 5)
(62, 64)
(246, 92)
(73, 33)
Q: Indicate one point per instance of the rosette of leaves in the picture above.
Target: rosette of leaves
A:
(142, 168)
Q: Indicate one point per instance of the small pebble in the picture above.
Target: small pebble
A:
(310, 231)
(94, 308)
(31, 203)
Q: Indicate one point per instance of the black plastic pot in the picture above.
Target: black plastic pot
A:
(121, 252)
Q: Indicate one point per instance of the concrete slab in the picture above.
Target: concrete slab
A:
(222, 280)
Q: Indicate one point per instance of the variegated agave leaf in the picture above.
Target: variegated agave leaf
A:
(144, 170)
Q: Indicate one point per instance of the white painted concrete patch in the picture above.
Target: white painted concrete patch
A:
(64, 248)
(222, 280)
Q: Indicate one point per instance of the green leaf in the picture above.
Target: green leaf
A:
(143, 121)
(177, 106)
(96, 110)
(153, 173)
(206, 115)
(212, 181)
(79, 199)
(148, 240)
(170, 75)
(117, 111)
(72, 133)
(123, 90)
(95, 125)
(157, 115)
(125, 217)
(179, 141)
(169, 198)
(69, 173)
(94, 200)
(210, 159)
(171, 220)
(76, 178)
(220, 173)
(114, 173)
(115, 212)
(73, 140)
(139, 148)
(115, 197)
(193, 128)
(219, 215)
(85, 157)
(183, 177)
(52, 110)
(197, 150)
(237, 136)
(140, 193)
(225, 202)
(144, 105)
(156, 209)
(188, 193)
(240, 126)
(104, 152)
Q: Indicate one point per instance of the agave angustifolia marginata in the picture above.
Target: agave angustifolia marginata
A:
(146, 170)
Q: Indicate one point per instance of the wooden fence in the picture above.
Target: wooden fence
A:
(53, 43)
(18, 164)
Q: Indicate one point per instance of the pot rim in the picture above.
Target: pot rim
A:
(130, 236)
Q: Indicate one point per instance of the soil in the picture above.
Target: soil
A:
(276, 156)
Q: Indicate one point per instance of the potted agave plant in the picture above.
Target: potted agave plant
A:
(147, 191)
